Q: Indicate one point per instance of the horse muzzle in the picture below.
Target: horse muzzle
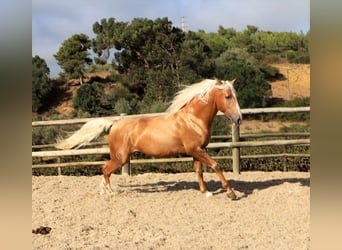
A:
(238, 121)
(235, 118)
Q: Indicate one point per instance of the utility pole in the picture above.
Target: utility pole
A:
(183, 23)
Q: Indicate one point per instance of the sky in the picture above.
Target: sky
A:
(55, 21)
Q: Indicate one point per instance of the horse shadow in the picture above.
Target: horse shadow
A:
(244, 187)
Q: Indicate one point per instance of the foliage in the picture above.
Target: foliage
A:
(44, 135)
(93, 68)
(72, 56)
(122, 106)
(149, 57)
(220, 126)
(266, 46)
(253, 89)
(41, 84)
(195, 59)
(154, 56)
(88, 98)
(108, 36)
(152, 107)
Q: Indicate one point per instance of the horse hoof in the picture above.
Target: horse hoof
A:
(231, 195)
(208, 194)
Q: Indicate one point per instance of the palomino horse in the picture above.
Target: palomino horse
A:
(184, 129)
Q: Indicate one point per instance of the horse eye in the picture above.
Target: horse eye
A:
(228, 97)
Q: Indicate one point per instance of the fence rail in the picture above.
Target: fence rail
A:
(236, 144)
(115, 118)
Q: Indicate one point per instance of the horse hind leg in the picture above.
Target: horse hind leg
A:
(107, 170)
(105, 187)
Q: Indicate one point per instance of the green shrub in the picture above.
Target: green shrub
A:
(122, 106)
(88, 98)
(44, 135)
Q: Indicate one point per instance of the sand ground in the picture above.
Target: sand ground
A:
(166, 211)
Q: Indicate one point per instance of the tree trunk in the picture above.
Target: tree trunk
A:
(81, 79)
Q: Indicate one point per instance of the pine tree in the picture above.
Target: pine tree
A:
(72, 56)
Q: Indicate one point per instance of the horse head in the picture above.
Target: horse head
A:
(226, 100)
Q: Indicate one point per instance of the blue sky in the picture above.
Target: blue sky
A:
(55, 21)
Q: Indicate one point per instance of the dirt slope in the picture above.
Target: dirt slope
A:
(296, 84)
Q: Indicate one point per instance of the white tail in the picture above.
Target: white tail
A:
(88, 132)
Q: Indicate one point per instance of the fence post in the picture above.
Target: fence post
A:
(59, 166)
(236, 150)
(126, 169)
(285, 159)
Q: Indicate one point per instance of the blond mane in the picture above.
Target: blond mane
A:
(201, 89)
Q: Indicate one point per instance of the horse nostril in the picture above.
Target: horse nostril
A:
(238, 121)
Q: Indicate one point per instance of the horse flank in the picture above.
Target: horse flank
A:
(202, 89)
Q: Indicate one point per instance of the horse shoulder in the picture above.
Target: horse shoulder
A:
(192, 131)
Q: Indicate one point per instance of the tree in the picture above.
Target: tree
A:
(72, 56)
(147, 53)
(251, 86)
(218, 42)
(41, 84)
(108, 36)
(195, 59)
(88, 98)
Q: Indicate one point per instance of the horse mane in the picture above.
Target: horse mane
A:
(201, 89)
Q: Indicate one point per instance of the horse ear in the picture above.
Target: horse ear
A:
(219, 82)
(233, 81)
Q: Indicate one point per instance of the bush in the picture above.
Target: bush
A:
(44, 135)
(298, 57)
(122, 106)
(154, 107)
(88, 98)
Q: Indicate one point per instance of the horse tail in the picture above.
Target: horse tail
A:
(88, 132)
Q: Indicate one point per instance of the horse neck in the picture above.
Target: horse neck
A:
(202, 110)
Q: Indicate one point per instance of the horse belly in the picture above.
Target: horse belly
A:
(159, 144)
(156, 146)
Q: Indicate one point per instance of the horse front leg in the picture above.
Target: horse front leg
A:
(199, 173)
(202, 156)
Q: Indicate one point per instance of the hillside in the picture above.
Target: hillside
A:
(296, 83)
(63, 92)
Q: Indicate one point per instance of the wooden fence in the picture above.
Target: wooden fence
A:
(235, 144)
